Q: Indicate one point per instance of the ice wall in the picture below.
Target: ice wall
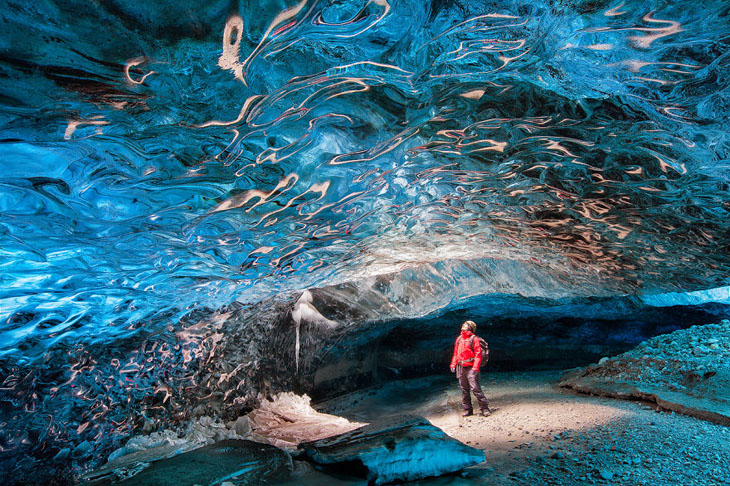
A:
(162, 160)
(159, 157)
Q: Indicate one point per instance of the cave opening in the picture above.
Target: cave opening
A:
(535, 340)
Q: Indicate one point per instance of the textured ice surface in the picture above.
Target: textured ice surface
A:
(191, 155)
(399, 449)
(168, 443)
(163, 159)
(719, 295)
(289, 419)
(242, 461)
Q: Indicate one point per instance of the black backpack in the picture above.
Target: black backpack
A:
(484, 346)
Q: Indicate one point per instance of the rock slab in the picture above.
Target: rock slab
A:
(407, 448)
(243, 461)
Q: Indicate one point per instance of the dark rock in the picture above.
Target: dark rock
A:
(406, 448)
(246, 462)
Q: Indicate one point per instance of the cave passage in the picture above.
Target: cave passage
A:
(207, 206)
(522, 338)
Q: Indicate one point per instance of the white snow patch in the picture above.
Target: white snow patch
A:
(289, 419)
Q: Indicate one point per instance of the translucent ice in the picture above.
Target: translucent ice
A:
(404, 450)
(185, 160)
(161, 160)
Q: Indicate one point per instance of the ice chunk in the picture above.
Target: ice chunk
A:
(246, 462)
(167, 443)
(289, 419)
(406, 448)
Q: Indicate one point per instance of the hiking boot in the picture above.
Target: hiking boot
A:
(485, 413)
(467, 413)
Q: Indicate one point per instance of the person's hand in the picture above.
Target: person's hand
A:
(453, 369)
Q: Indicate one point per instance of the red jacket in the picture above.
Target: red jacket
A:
(466, 354)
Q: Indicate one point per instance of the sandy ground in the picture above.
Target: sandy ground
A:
(542, 434)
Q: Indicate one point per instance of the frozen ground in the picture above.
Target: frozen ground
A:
(539, 434)
(542, 434)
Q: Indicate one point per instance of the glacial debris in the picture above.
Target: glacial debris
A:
(686, 371)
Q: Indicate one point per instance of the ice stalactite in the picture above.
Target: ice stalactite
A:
(304, 311)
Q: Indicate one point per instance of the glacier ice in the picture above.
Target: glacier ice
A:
(398, 449)
(242, 461)
(176, 176)
(144, 179)
(289, 419)
(719, 295)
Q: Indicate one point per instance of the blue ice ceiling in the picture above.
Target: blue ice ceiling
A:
(162, 156)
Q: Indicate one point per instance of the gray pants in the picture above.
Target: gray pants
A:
(469, 381)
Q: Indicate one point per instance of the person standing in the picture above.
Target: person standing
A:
(465, 363)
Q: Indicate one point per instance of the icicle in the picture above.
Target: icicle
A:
(296, 346)
(296, 314)
(304, 310)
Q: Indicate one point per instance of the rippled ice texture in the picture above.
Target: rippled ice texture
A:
(162, 156)
(166, 155)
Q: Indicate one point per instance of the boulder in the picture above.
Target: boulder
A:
(405, 448)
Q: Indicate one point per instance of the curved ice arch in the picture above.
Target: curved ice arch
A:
(720, 295)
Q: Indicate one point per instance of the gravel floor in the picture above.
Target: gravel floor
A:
(542, 434)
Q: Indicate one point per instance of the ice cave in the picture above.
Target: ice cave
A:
(239, 240)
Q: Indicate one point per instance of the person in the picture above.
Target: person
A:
(465, 363)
